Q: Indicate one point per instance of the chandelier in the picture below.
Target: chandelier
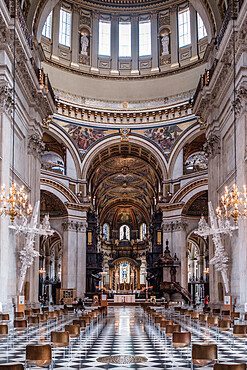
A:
(234, 204)
(14, 202)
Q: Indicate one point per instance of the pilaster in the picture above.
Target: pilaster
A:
(134, 45)
(154, 42)
(174, 37)
(55, 32)
(75, 37)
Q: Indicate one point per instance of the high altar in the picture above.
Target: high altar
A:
(124, 275)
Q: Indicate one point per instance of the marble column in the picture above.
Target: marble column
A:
(135, 45)
(75, 37)
(82, 258)
(95, 42)
(193, 28)
(174, 37)
(154, 42)
(55, 32)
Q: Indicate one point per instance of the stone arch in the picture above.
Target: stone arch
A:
(62, 192)
(190, 190)
(109, 141)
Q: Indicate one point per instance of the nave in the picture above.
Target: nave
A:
(125, 331)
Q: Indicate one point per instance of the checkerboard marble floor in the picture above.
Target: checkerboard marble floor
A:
(125, 331)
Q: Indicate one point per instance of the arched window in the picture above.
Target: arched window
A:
(106, 231)
(124, 232)
(143, 231)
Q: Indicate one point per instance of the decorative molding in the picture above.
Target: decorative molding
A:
(71, 225)
(61, 189)
(241, 100)
(6, 101)
(174, 226)
(212, 145)
(35, 146)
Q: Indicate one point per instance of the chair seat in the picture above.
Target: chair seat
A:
(180, 345)
(60, 344)
(203, 362)
(38, 362)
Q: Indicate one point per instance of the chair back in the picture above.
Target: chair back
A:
(39, 354)
(170, 329)
(224, 324)
(230, 366)
(60, 338)
(79, 322)
(59, 313)
(36, 310)
(4, 329)
(213, 320)
(43, 317)
(52, 315)
(194, 315)
(204, 354)
(33, 320)
(235, 315)
(158, 319)
(164, 323)
(216, 311)
(28, 312)
(203, 318)
(20, 324)
(239, 331)
(19, 315)
(74, 330)
(5, 317)
(182, 339)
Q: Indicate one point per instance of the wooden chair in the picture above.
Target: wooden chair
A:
(4, 330)
(194, 315)
(239, 331)
(235, 315)
(204, 354)
(19, 315)
(230, 366)
(4, 317)
(74, 330)
(28, 312)
(52, 315)
(164, 323)
(43, 317)
(36, 311)
(59, 313)
(20, 325)
(212, 321)
(33, 320)
(12, 366)
(60, 339)
(203, 318)
(39, 355)
(224, 325)
(182, 339)
(226, 314)
(216, 311)
(170, 329)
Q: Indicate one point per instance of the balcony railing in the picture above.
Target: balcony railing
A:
(205, 80)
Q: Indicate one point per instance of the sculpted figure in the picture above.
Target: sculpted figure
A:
(84, 44)
(165, 45)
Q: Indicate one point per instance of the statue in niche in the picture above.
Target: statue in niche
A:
(124, 233)
(165, 44)
(84, 44)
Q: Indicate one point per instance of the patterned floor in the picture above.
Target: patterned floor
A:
(125, 331)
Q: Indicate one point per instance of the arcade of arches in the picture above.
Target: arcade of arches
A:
(123, 151)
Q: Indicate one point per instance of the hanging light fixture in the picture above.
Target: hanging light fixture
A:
(14, 202)
(234, 202)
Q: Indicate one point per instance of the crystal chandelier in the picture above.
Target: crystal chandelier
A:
(14, 202)
(234, 204)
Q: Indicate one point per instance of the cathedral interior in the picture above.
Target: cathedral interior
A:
(123, 204)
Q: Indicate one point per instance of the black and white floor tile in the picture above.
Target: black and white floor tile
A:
(125, 331)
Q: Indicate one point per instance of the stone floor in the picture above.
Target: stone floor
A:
(125, 331)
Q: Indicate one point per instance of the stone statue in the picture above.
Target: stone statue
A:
(165, 45)
(84, 44)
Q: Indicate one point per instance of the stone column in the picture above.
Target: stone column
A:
(134, 45)
(35, 150)
(154, 43)
(193, 28)
(55, 32)
(95, 41)
(82, 258)
(114, 45)
(75, 37)
(8, 270)
(70, 257)
(174, 37)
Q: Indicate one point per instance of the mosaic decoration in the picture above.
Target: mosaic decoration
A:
(196, 162)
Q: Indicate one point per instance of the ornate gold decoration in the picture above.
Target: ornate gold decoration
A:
(14, 202)
(124, 132)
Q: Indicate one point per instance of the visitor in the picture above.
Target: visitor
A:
(206, 301)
